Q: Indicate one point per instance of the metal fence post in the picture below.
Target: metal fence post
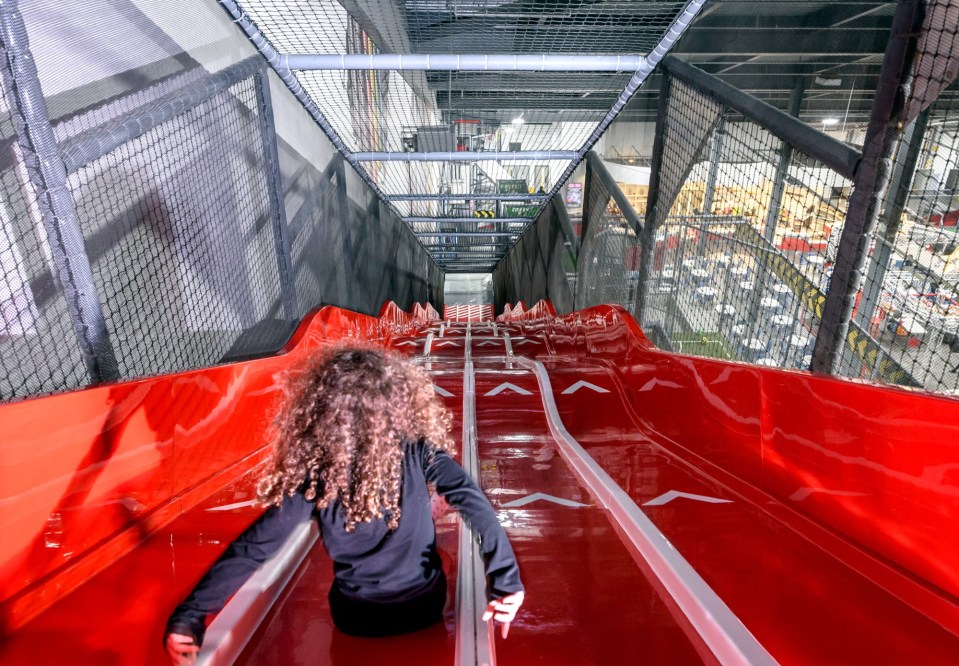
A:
(715, 155)
(587, 189)
(271, 158)
(653, 216)
(869, 186)
(896, 197)
(47, 173)
(782, 169)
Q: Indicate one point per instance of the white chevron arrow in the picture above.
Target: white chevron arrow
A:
(525, 341)
(581, 384)
(667, 497)
(523, 501)
(507, 386)
(486, 343)
(444, 343)
(406, 343)
(442, 391)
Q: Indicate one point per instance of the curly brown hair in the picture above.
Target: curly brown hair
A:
(343, 427)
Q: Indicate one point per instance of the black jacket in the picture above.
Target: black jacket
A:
(372, 562)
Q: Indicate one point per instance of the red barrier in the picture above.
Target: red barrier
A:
(86, 476)
(874, 464)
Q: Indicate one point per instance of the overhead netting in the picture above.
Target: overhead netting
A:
(463, 111)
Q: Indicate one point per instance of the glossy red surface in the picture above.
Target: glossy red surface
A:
(87, 475)
(835, 545)
(587, 601)
(873, 464)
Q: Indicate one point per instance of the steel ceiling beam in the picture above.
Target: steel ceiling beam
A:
(473, 196)
(504, 220)
(453, 62)
(465, 234)
(466, 156)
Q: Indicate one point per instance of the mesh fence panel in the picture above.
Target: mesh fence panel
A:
(538, 267)
(39, 352)
(171, 178)
(190, 263)
(609, 256)
(910, 296)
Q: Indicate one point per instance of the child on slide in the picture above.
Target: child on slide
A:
(359, 435)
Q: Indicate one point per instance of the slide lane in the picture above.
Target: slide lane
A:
(801, 603)
(587, 600)
(299, 628)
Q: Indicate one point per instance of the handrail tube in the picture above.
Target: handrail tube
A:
(98, 141)
(466, 156)
(467, 62)
(233, 626)
(467, 196)
(600, 171)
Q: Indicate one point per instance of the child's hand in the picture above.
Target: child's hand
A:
(504, 610)
(181, 649)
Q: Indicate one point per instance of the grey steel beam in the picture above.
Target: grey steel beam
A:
(896, 196)
(452, 62)
(869, 186)
(465, 234)
(715, 153)
(782, 169)
(271, 160)
(654, 217)
(507, 220)
(566, 225)
(473, 196)
(98, 141)
(831, 152)
(602, 173)
(466, 156)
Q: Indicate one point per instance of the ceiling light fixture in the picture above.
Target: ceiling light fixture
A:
(830, 121)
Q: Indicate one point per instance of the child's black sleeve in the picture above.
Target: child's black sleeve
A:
(462, 493)
(256, 545)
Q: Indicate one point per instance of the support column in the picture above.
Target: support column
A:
(782, 169)
(653, 214)
(869, 187)
(271, 158)
(715, 155)
(47, 173)
(895, 203)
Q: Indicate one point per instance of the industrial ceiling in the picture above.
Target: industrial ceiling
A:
(417, 128)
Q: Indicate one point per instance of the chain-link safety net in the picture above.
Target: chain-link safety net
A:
(202, 212)
(909, 300)
(741, 263)
(540, 266)
(404, 113)
(746, 229)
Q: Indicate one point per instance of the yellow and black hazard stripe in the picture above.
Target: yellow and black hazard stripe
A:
(859, 341)
(484, 214)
